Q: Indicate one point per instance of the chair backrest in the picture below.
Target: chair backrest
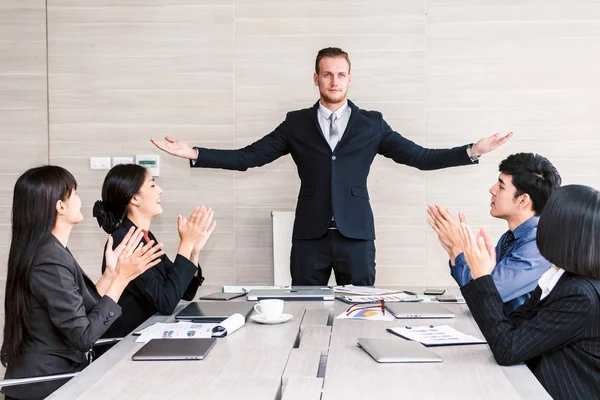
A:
(283, 224)
(36, 379)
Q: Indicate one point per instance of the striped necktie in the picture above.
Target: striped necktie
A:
(510, 237)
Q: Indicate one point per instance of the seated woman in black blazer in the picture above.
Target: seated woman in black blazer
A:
(54, 312)
(557, 331)
(131, 198)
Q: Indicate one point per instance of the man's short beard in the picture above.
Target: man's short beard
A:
(325, 96)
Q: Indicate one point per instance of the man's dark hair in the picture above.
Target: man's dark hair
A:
(568, 233)
(534, 175)
(331, 52)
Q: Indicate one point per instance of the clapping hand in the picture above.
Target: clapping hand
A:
(134, 258)
(197, 228)
(111, 256)
(447, 228)
(479, 251)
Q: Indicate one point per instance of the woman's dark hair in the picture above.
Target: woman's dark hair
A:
(122, 182)
(534, 175)
(33, 216)
(569, 230)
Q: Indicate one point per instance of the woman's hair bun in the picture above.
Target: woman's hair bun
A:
(108, 221)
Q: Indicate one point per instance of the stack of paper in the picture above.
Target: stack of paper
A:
(191, 330)
(442, 335)
(376, 298)
(363, 290)
(177, 330)
(364, 294)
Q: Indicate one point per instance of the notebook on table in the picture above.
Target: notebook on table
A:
(293, 293)
(174, 349)
(208, 311)
(418, 310)
(397, 351)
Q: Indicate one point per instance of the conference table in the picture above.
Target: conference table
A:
(312, 356)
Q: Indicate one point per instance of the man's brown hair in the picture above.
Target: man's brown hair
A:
(331, 52)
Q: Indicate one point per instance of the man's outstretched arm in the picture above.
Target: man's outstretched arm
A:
(263, 151)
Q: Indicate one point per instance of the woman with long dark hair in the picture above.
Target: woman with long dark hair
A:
(54, 312)
(557, 331)
(131, 198)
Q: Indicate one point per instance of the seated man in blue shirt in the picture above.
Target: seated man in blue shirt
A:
(524, 185)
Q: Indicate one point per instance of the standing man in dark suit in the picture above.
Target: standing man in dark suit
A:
(333, 144)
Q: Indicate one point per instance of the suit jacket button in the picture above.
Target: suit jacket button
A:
(111, 314)
(333, 158)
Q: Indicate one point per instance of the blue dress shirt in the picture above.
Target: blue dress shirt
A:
(517, 274)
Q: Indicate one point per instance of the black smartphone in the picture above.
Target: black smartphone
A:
(221, 296)
(434, 292)
(446, 298)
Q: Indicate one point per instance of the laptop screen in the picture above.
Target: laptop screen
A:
(294, 293)
(214, 311)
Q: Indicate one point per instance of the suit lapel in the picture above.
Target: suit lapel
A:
(348, 130)
(315, 120)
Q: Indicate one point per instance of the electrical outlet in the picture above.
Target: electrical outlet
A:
(99, 162)
(122, 160)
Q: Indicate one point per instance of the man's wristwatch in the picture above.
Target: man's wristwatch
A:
(474, 156)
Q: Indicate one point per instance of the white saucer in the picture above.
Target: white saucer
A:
(262, 320)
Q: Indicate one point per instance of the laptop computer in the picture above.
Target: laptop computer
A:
(209, 311)
(418, 310)
(293, 293)
(397, 351)
(174, 349)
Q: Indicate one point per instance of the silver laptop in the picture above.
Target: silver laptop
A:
(174, 349)
(418, 310)
(397, 351)
(293, 293)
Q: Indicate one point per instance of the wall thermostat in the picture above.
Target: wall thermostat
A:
(150, 162)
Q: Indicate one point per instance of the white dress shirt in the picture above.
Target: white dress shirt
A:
(343, 116)
(549, 280)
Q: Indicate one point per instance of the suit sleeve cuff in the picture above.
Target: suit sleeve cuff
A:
(194, 162)
(185, 263)
(200, 278)
(109, 309)
(478, 287)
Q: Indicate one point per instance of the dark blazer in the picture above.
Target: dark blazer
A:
(558, 337)
(159, 289)
(333, 183)
(66, 317)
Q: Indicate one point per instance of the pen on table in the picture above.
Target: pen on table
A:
(409, 293)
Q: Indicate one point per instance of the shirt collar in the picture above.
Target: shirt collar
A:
(549, 279)
(325, 112)
(127, 224)
(526, 226)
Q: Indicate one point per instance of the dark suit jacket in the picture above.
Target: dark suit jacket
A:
(159, 289)
(557, 337)
(333, 183)
(66, 316)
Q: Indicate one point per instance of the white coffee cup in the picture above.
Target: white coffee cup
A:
(269, 308)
